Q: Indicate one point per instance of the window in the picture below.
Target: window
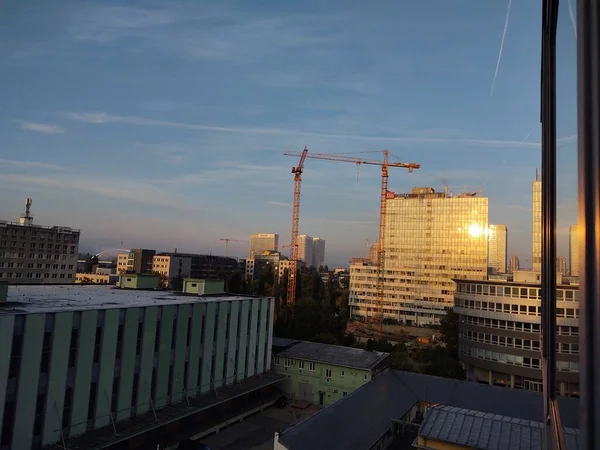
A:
(311, 367)
(342, 373)
(300, 364)
(276, 361)
(286, 363)
(327, 373)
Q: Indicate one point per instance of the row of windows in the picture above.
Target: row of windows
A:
(562, 295)
(514, 360)
(11, 265)
(516, 326)
(311, 367)
(531, 310)
(42, 235)
(19, 275)
(525, 344)
(36, 256)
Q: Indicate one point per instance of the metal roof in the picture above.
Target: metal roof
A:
(57, 298)
(360, 419)
(489, 431)
(333, 354)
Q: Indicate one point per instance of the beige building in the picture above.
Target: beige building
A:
(431, 238)
(561, 265)
(537, 224)
(573, 251)
(172, 266)
(263, 242)
(37, 254)
(514, 263)
(96, 278)
(497, 246)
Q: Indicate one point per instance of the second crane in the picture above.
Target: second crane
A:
(385, 164)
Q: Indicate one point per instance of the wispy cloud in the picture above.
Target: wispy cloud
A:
(282, 204)
(105, 24)
(103, 118)
(501, 47)
(125, 189)
(42, 127)
(29, 164)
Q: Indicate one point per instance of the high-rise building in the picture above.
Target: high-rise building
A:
(305, 249)
(514, 263)
(431, 238)
(537, 224)
(318, 252)
(573, 251)
(373, 253)
(263, 242)
(561, 265)
(37, 254)
(497, 248)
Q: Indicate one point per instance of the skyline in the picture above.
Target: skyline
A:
(168, 129)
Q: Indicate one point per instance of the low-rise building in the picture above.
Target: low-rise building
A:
(138, 260)
(139, 281)
(322, 374)
(499, 332)
(96, 278)
(387, 411)
(94, 367)
(203, 287)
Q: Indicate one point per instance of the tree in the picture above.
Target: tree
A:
(449, 332)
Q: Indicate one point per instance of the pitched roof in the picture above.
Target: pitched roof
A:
(360, 419)
(475, 429)
(333, 354)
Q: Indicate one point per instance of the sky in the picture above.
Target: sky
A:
(164, 124)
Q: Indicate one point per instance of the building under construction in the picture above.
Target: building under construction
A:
(430, 238)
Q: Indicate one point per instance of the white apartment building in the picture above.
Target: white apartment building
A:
(497, 247)
(305, 249)
(318, 252)
(431, 238)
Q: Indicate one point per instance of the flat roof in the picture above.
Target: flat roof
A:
(25, 299)
(333, 354)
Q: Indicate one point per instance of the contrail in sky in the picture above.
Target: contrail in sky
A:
(572, 17)
(501, 47)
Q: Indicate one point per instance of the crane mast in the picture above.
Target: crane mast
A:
(385, 165)
(297, 171)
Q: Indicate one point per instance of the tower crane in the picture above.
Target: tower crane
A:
(227, 241)
(385, 164)
(297, 171)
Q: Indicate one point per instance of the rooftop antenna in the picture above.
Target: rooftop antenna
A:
(537, 174)
(27, 218)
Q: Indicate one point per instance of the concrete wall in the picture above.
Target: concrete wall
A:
(77, 368)
(305, 380)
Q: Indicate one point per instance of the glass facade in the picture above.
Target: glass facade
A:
(537, 226)
(430, 239)
(497, 248)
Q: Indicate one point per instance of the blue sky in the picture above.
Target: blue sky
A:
(163, 124)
